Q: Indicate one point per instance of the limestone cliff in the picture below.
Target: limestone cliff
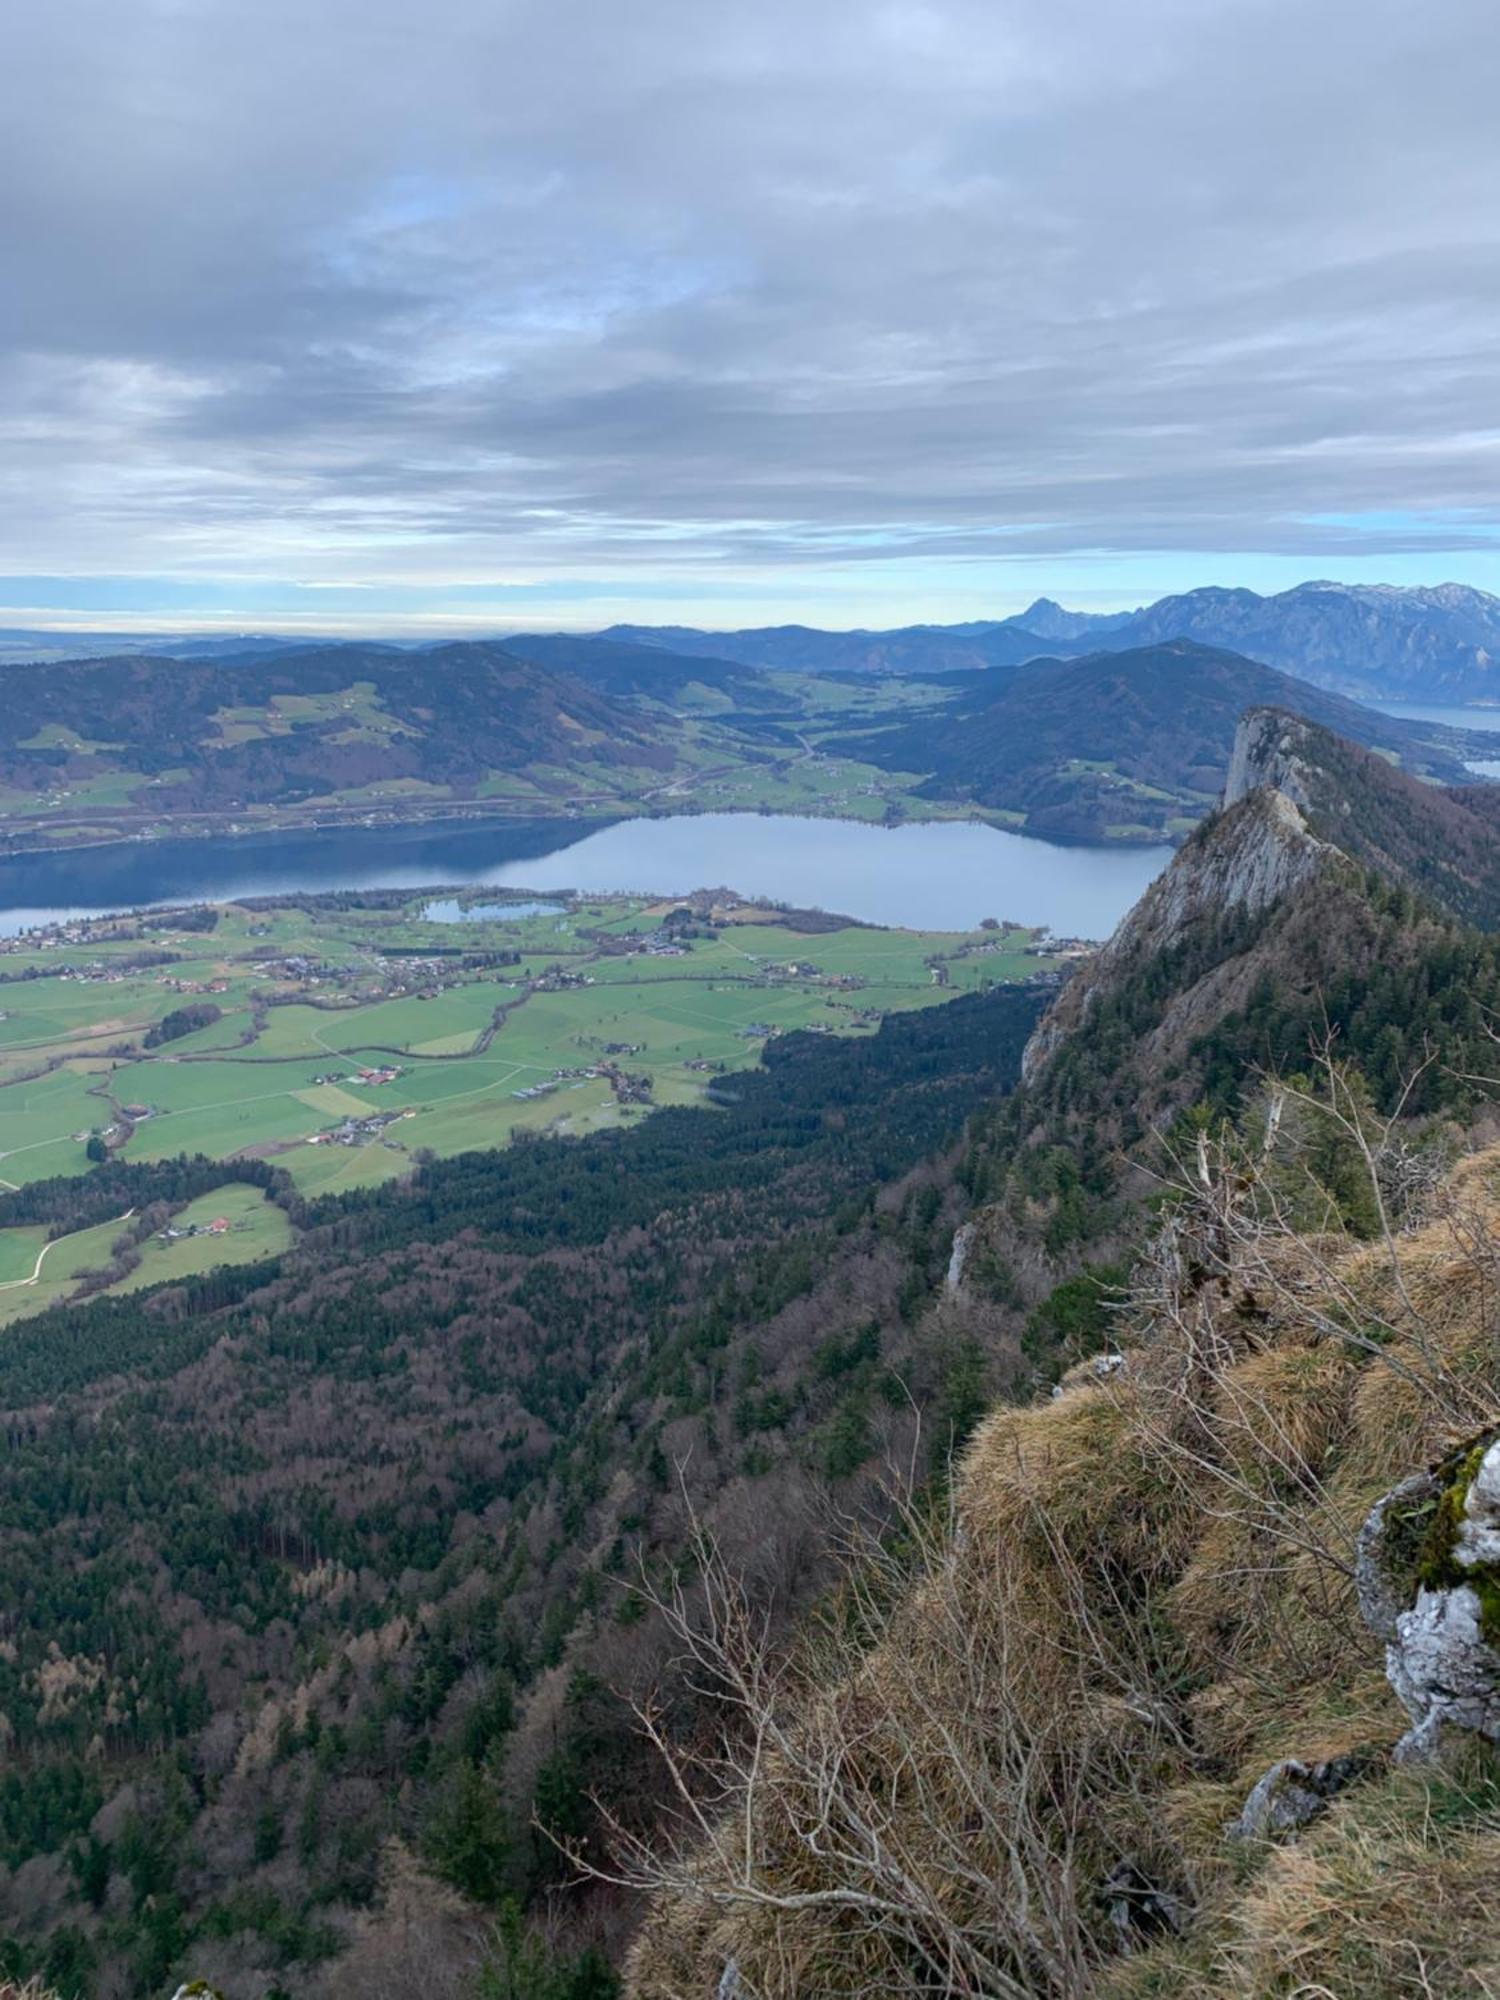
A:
(1302, 810)
(1246, 860)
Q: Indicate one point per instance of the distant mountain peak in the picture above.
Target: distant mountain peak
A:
(1045, 618)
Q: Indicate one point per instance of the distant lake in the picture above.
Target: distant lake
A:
(943, 875)
(1456, 718)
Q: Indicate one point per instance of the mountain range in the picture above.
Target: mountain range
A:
(1438, 643)
(1125, 744)
(1376, 641)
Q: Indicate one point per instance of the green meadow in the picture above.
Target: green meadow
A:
(317, 1004)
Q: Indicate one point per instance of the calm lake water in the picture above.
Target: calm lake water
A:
(942, 876)
(1456, 718)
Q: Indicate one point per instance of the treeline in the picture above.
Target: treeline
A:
(68, 1202)
(182, 1021)
(851, 1111)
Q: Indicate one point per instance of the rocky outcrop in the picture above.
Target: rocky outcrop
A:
(1444, 1671)
(1254, 854)
(958, 1257)
(1428, 1574)
(1265, 754)
(1291, 1793)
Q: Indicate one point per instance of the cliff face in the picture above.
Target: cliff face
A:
(1304, 816)
(1257, 852)
(1266, 747)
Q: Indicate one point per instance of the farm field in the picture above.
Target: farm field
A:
(343, 1037)
(232, 1225)
(63, 1262)
(256, 1228)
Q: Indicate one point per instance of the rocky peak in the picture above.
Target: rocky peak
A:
(1258, 850)
(1270, 750)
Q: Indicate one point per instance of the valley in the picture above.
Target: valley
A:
(1122, 746)
(749, 1002)
(345, 1039)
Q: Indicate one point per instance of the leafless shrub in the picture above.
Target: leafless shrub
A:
(908, 1798)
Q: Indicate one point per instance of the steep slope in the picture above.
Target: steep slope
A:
(1126, 745)
(1441, 844)
(1127, 1732)
(1156, 1709)
(1265, 948)
(1331, 897)
(1304, 815)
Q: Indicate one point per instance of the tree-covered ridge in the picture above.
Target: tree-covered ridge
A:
(1132, 743)
(280, 728)
(1444, 845)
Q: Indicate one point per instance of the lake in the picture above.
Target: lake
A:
(1456, 718)
(939, 875)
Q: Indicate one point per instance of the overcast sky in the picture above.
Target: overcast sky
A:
(557, 311)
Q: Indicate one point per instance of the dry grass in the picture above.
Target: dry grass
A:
(1391, 1897)
(1145, 1598)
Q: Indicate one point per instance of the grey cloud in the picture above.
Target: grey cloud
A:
(367, 288)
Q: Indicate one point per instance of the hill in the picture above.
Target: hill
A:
(647, 673)
(330, 723)
(912, 649)
(1124, 745)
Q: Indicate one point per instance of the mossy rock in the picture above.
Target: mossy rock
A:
(1438, 1565)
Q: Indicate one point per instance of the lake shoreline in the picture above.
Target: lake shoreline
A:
(938, 874)
(481, 816)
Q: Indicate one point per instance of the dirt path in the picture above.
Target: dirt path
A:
(16, 1284)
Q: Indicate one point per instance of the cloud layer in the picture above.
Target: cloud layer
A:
(724, 303)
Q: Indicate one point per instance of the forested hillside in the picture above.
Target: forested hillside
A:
(173, 736)
(1125, 745)
(312, 1557)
